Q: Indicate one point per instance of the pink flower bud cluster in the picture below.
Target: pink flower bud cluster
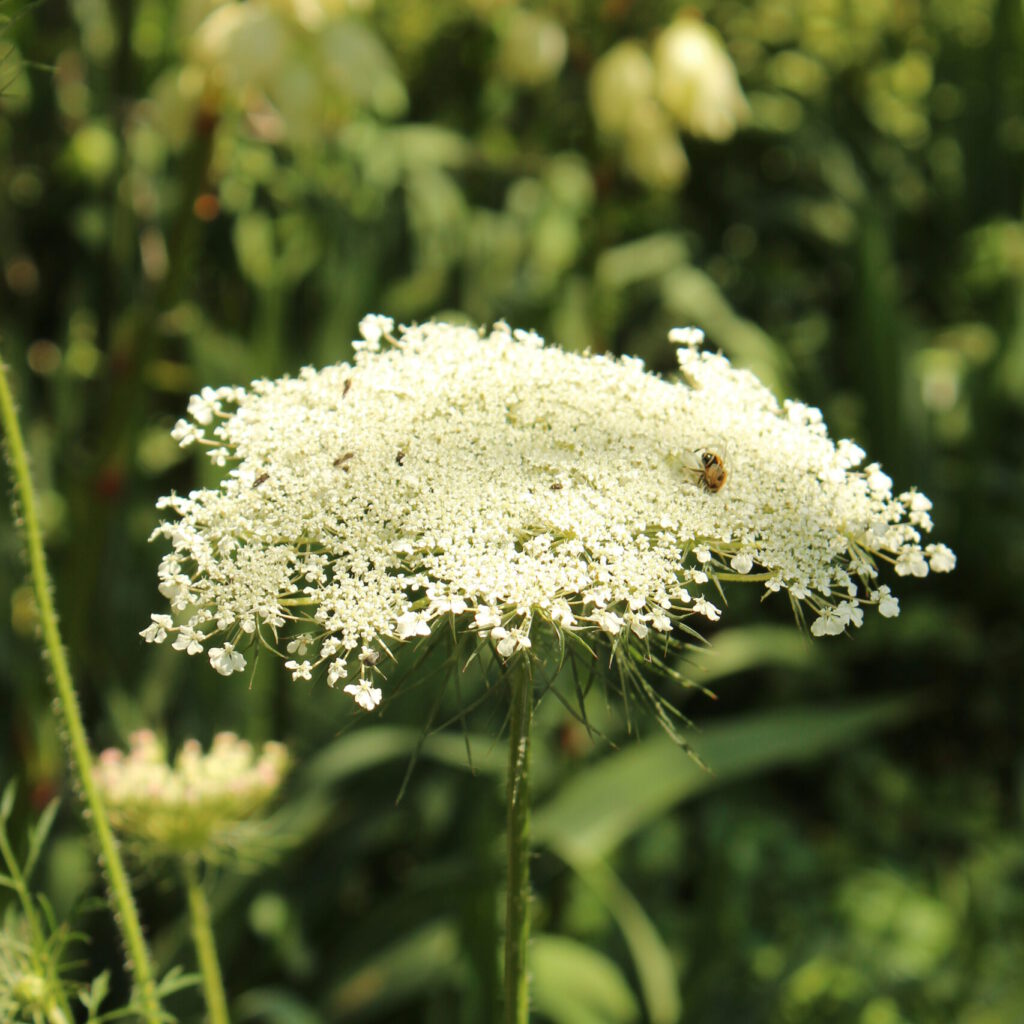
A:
(193, 805)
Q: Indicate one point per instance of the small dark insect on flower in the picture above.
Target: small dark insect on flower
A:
(341, 460)
(557, 485)
(345, 388)
(261, 479)
(400, 458)
(370, 657)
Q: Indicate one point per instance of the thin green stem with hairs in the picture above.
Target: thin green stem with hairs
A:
(517, 907)
(201, 924)
(120, 894)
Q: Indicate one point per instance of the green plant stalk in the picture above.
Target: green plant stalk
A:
(201, 925)
(123, 903)
(517, 907)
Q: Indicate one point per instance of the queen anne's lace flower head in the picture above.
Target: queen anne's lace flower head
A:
(30, 988)
(194, 806)
(488, 478)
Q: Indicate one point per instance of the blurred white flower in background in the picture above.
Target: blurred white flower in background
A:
(620, 81)
(639, 101)
(532, 46)
(626, 111)
(697, 81)
(296, 71)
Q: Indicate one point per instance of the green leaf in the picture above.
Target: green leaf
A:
(300, 245)
(422, 961)
(420, 144)
(92, 998)
(175, 980)
(605, 804)
(746, 647)
(652, 959)
(359, 751)
(255, 247)
(38, 834)
(620, 266)
(274, 1006)
(7, 801)
(573, 984)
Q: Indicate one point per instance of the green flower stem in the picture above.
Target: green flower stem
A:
(517, 912)
(205, 945)
(123, 904)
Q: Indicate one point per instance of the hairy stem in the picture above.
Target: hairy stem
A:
(205, 945)
(517, 912)
(122, 902)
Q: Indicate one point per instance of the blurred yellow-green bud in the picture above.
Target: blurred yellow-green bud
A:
(242, 45)
(171, 107)
(30, 991)
(297, 69)
(532, 47)
(622, 100)
(653, 153)
(357, 67)
(312, 14)
(696, 80)
(198, 805)
(621, 80)
(31, 987)
(93, 152)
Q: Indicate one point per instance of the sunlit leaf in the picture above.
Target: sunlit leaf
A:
(744, 648)
(652, 958)
(574, 984)
(609, 801)
(359, 751)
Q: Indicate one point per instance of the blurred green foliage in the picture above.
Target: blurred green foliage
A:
(200, 193)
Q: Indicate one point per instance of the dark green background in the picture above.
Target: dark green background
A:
(856, 855)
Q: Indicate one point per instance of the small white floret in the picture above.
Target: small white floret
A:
(226, 659)
(608, 621)
(742, 563)
(366, 696)
(888, 606)
(828, 623)
(411, 624)
(373, 328)
(299, 645)
(189, 640)
(487, 618)
(156, 631)
(911, 562)
(691, 337)
(940, 558)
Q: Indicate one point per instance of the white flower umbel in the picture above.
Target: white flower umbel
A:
(489, 479)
